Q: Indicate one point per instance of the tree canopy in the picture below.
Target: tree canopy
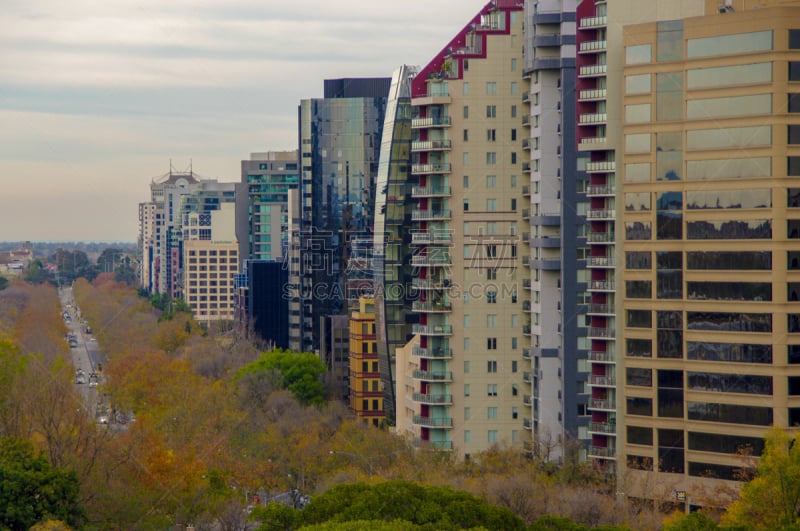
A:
(298, 372)
(31, 490)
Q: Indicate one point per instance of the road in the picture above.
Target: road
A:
(86, 357)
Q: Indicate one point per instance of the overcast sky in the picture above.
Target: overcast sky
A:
(97, 96)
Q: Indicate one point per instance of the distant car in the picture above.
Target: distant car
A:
(93, 379)
(92, 339)
(102, 419)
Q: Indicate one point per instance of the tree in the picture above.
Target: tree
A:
(772, 499)
(35, 273)
(299, 372)
(689, 522)
(32, 490)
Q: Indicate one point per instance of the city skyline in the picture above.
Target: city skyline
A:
(98, 100)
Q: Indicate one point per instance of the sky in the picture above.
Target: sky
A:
(97, 97)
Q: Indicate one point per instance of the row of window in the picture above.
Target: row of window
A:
(713, 382)
(710, 260)
(670, 406)
(669, 227)
(670, 286)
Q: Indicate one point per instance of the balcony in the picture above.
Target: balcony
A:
(601, 285)
(435, 445)
(526, 330)
(526, 167)
(430, 422)
(430, 215)
(593, 46)
(431, 307)
(602, 357)
(432, 330)
(431, 237)
(595, 190)
(440, 121)
(526, 377)
(545, 264)
(592, 94)
(431, 260)
(433, 399)
(433, 376)
(601, 331)
(603, 381)
(593, 143)
(606, 405)
(601, 167)
(437, 353)
(527, 423)
(430, 284)
(425, 169)
(603, 427)
(592, 118)
(601, 451)
(526, 283)
(431, 191)
(605, 213)
(600, 237)
(547, 40)
(601, 309)
(527, 400)
(430, 145)
(593, 71)
(526, 189)
(593, 22)
(601, 261)
(546, 63)
(526, 144)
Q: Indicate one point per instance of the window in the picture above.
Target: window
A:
(491, 343)
(491, 205)
(466, 135)
(491, 390)
(491, 412)
(514, 64)
(513, 88)
(491, 227)
(513, 204)
(466, 389)
(465, 88)
(466, 111)
(491, 111)
(491, 88)
(491, 181)
(491, 321)
(466, 205)
(466, 320)
(467, 413)
(466, 181)
(491, 366)
(465, 158)
(492, 436)
(491, 297)
(491, 274)
(514, 366)
(466, 367)
(491, 135)
(491, 157)
(491, 251)
(513, 157)
(466, 436)
(513, 111)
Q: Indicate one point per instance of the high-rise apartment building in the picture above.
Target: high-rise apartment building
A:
(599, 86)
(340, 137)
(466, 388)
(391, 256)
(366, 396)
(710, 280)
(262, 204)
(555, 387)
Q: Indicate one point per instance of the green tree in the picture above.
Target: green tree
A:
(432, 507)
(298, 372)
(35, 273)
(690, 522)
(772, 499)
(276, 517)
(556, 523)
(32, 491)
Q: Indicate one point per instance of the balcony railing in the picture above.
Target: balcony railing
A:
(603, 427)
(603, 380)
(600, 261)
(431, 307)
(593, 70)
(433, 260)
(601, 214)
(596, 403)
(597, 355)
(601, 331)
(593, 22)
(601, 451)
(431, 191)
(437, 236)
(441, 121)
(595, 141)
(430, 145)
(425, 283)
(593, 118)
(600, 237)
(423, 215)
(593, 46)
(432, 330)
(436, 445)
(600, 189)
(593, 94)
(433, 399)
(601, 308)
(434, 376)
(430, 168)
(433, 422)
(601, 167)
(601, 285)
(438, 353)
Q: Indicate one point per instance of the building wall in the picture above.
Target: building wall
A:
(710, 226)
(366, 395)
(467, 100)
